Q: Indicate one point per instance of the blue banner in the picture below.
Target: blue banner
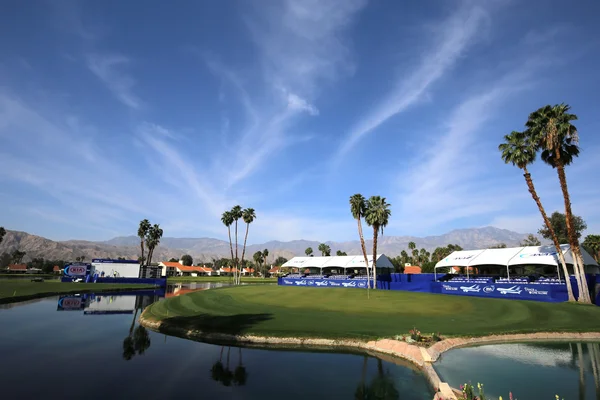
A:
(515, 291)
(344, 283)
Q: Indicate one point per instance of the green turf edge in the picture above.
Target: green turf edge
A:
(151, 317)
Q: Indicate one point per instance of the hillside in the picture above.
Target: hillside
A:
(209, 248)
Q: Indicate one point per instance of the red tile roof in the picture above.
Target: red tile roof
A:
(228, 269)
(274, 269)
(171, 264)
(17, 267)
(249, 270)
(56, 268)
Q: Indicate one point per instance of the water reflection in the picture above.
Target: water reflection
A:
(381, 386)
(127, 361)
(529, 370)
(222, 373)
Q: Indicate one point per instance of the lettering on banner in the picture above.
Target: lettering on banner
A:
(300, 283)
(362, 284)
(450, 288)
(349, 284)
(535, 291)
(311, 282)
(334, 284)
(321, 283)
(288, 282)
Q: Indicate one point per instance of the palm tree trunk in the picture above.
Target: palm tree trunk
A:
(237, 260)
(375, 234)
(142, 246)
(364, 250)
(584, 294)
(559, 252)
(230, 243)
(245, 238)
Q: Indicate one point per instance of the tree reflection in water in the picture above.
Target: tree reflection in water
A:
(138, 340)
(381, 386)
(223, 374)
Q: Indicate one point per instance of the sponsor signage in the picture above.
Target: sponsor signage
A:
(537, 254)
(76, 269)
(505, 290)
(347, 283)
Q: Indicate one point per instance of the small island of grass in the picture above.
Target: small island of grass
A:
(13, 290)
(275, 311)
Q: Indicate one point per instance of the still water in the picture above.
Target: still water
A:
(91, 347)
(530, 371)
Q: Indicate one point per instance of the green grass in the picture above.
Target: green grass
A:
(347, 313)
(12, 290)
(174, 279)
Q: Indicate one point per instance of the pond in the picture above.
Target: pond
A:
(529, 370)
(91, 346)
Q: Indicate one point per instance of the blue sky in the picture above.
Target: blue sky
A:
(175, 111)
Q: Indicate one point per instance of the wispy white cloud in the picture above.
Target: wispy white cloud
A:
(453, 38)
(448, 180)
(301, 47)
(110, 69)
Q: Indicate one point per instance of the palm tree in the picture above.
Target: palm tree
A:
(142, 233)
(2, 233)
(322, 248)
(358, 207)
(552, 131)
(520, 151)
(377, 215)
(248, 215)
(227, 220)
(415, 257)
(592, 244)
(265, 254)
(153, 237)
(258, 258)
(308, 251)
(236, 213)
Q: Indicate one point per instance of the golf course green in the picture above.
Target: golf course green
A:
(349, 314)
(12, 290)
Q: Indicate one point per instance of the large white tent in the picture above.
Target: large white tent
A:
(338, 261)
(530, 255)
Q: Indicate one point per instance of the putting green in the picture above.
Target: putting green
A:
(347, 313)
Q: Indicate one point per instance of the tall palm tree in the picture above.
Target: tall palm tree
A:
(258, 259)
(248, 215)
(308, 251)
(322, 248)
(142, 233)
(415, 257)
(265, 254)
(358, 207)
(153, 237)
(553, 132)
(520, 151)
(592, 244)
(227, 220)
(236, 213)
(377, 215)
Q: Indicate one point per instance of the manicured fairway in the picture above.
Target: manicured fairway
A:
(347, 313)
(20, 289)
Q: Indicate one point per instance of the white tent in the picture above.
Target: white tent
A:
(530, 255)
(338, 261)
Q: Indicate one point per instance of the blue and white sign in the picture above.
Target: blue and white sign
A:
(346, 283)
(77, 270)
(522, 291)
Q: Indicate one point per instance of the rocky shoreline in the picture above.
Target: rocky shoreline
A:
(421, 357)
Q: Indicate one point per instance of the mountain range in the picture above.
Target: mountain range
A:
(205, 249)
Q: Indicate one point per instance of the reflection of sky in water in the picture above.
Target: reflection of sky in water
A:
(530, 371)
(82, 357)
